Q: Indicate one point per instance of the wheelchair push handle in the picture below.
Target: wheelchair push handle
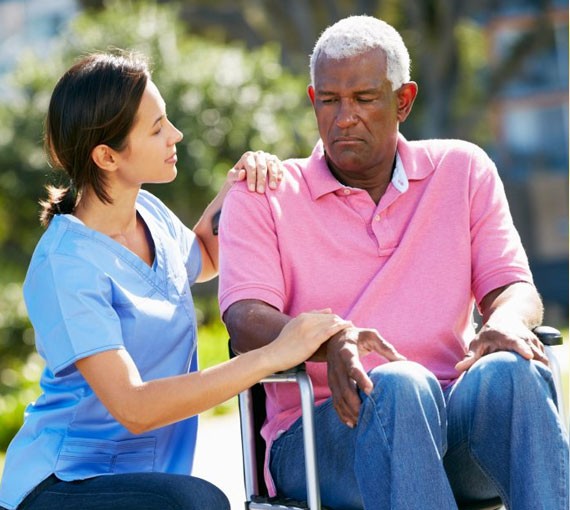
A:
(548, 335)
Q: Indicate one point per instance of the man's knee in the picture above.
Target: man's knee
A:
(405, 381)
(403, 374)
(505, 370)
(502, 379)
(406, 406)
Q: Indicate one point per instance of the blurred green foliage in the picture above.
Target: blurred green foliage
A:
(20, 366)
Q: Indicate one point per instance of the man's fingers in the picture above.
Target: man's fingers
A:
(385, 349)
(344, 396)
(528, 348)
(466, 362)
(347, 404)
(360, 377)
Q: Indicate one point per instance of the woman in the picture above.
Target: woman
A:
(108, 294)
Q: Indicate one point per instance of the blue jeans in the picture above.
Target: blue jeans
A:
(136, 491)
(495, 432)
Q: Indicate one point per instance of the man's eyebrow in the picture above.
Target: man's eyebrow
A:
(364, 91)
(368, 91)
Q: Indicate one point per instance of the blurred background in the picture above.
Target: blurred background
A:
(234, 73)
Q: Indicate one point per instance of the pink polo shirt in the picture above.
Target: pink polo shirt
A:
(412, 267)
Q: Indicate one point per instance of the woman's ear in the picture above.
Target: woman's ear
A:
(406, 95)
(104, 157)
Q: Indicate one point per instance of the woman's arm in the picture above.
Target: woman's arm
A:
(145, 405)
(257, 168)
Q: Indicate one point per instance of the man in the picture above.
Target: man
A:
(414, 409)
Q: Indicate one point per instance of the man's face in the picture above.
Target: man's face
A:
(357, 112)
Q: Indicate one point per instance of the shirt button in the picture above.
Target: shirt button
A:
(346, 191)
(377, 217)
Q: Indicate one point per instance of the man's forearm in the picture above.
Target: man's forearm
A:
(253, 324)
(516, 301)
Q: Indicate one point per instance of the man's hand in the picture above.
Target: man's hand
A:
(507, 336)
(345, 371)
(509, 314)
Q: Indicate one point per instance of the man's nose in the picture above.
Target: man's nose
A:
(346, 115)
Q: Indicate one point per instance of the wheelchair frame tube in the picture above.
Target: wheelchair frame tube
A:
(311, 473)
(555, 368)
(247, 438)
(299, 376)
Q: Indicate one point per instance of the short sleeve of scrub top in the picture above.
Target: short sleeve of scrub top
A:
(78, 311)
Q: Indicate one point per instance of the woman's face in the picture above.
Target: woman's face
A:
(150, 155)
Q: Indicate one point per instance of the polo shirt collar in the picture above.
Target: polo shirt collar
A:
(318, 176)
(410, 165)
(415, 159)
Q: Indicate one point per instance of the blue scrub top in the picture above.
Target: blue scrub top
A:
(85, 294)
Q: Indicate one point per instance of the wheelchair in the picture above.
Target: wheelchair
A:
(252, 417)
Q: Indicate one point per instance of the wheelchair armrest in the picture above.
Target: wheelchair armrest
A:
(289, 375)
(548, 335)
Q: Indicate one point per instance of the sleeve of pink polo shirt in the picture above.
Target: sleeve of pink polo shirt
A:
(249, 254)
(498, 257)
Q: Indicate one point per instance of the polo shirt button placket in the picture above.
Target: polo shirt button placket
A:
(377, 226)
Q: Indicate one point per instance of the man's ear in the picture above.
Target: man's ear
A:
(104, 157)
(406, 96)
(311, 94)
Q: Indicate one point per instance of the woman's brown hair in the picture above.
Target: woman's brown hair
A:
(95, 102)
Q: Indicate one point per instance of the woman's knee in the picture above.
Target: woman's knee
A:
(198, 494)
(179, 491)
(160, 491)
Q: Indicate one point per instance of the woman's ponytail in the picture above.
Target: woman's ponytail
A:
(60, 200)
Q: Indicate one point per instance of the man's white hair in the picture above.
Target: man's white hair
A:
(357, 34)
